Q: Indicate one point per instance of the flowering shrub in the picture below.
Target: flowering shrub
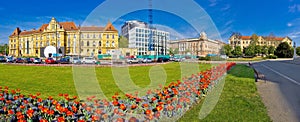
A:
(168, 102)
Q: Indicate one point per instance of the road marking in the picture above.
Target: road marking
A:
(292, 80)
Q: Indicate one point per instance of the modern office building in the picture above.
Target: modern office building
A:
(197, 46)
(66, 37)
(147, 41)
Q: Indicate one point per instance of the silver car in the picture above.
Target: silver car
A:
(37, 61)
(76, 60)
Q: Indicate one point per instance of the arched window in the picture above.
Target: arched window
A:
(99, 43)
(107, 43)
(87, 43)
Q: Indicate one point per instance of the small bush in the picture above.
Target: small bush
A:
(271, 57)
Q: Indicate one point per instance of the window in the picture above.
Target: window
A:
(41, 44)
(94, 44)
(69, 43)
(82, 36)
(107, 36)
(74, 36)
(113, 43)
(88, 36)
(100, 43)
(113, 36)
(47, 43)
(36, 44)
(82, 43)
(88, 50)
(87, 43)
(100, 36)
(94, 36)
(107, 43)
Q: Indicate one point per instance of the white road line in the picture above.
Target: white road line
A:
(290, 79)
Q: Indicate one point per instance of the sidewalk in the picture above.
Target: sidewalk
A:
(293, 61)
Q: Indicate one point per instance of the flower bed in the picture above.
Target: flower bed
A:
(169, 102)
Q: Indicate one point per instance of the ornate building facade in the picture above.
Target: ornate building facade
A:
(197, 46)
(66, 37)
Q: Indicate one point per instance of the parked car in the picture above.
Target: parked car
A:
(63, 61)
(10, 59)
(133, 60)
(76, 60)
(176, 59)
(28, 60)
(37, 60)
(88, 60)
(162, 59)
(20, 60)
(147, 60)
(2, 59)
(50, 61)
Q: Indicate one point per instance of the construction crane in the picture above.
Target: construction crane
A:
(150, 22)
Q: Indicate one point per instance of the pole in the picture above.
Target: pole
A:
(295, 55)
(56, 40)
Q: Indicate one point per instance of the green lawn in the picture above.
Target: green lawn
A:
(239, 100)
(246, 59)
(50, 81)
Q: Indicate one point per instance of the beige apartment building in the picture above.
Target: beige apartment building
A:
(66, 37)
(244, 41)
(197, 46)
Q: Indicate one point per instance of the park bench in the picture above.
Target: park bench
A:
(257, 75)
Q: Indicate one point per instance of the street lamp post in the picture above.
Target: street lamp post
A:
(295, 55)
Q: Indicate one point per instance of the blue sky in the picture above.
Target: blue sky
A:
(280, 17)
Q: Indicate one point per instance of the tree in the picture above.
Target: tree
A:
(254, 39)
(4, 48)
(271, 50)
(123, 42)
(298, 51)
(250, 50)
(284, 50)
(257, 49)
(227, 49)
(237, 51)
(176, 51)
(264, 50)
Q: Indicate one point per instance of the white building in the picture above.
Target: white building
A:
(139, 37)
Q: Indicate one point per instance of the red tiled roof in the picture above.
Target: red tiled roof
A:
(16, 32)
(68, 26)
(28, 32)
(273, 38)
(92, 28)
(110, 27)
(43, 27)
(245, 37)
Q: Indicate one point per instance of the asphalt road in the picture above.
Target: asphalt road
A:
(287, 76)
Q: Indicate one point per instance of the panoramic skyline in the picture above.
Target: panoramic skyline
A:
(281, 18)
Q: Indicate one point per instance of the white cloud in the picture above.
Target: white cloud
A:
(289, 24)
(294, 8)
(212, 3)
(226, 7)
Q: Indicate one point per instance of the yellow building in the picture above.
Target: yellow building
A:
(244, 41)
(98, 40)
(64, 36)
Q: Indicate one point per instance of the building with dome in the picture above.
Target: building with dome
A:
(201, 46)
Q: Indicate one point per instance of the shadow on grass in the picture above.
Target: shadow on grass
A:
(239, 100)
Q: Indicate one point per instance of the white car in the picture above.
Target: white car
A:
(76, 60)
(37, 60)
(88, 60)
(147, 60)
(133, 60)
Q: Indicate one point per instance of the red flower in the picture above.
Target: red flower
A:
(116, 110)
(134, 106)
(51, 112)
(148, 112)
(45, 110)
(115, 103)
(38, 94)
(60, 94)
(95, 118)
(22, 106)
(43, 120)
(69, 113)
(29, 113)
(50, 98)
(123, 107)
(145, 105)
(10, 112)
(159, 108)
(120, 120)
(98, 111)
(153, 99)
(61, 119)
(74, 108)
(40, 100)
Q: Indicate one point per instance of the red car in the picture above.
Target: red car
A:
(50, 61)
